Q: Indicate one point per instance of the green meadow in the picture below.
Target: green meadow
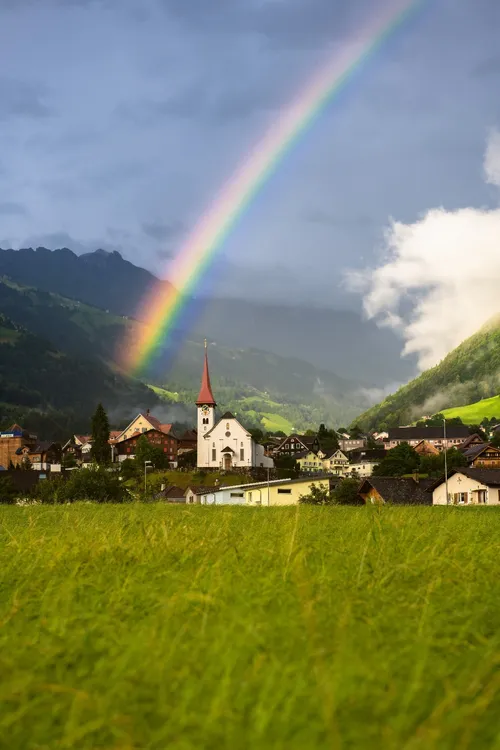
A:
(475, 413)
(152, 626)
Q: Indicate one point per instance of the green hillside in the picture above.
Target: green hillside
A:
(487, 408)
(471, 372)
(53, 393)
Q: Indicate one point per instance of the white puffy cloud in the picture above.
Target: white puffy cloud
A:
(440, 279)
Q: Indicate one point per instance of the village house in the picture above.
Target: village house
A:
(46, 456)
(295, 444)
(347, 444)
(171, 494)
(167, 442)
(225, 444)
(283, 491)
(310, 462)
(468, 486)
(484, 456)
(70, 449)
(362, 462)
(274, 492)
(142, 423)
(456, 435)
(14, 444)
(337, 463)
(472, 442)
(424, 448)
(396, 490)
(194, 493)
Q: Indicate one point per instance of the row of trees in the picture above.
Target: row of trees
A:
(404, 460)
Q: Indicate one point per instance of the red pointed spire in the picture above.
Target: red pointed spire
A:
(205, 396)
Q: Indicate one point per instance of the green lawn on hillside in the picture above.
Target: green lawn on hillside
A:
(475, 413)
(152, 626)
(275, 423)
(163, 393)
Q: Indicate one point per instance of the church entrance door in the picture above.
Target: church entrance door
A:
(227, 461)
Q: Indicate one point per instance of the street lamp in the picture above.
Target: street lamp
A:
(146, 464)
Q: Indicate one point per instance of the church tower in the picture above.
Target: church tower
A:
(206, 413)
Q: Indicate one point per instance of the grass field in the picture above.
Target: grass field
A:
(154, 627)
(475, 413)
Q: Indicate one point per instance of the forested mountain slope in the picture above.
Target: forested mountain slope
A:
(329, 339)
(470, 372)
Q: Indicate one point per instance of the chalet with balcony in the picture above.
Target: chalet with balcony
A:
(295, 444)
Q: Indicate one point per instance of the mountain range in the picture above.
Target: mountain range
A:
(264, 389)
(339, 341)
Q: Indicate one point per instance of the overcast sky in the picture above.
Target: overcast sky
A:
(121, 119)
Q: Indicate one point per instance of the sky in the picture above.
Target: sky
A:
(120, 121)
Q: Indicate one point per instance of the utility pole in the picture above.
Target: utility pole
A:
(268, 486)
(445, 461)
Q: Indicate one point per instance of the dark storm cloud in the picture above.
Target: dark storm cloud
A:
(157, 102)
(22, 99)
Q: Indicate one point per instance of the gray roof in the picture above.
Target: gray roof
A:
(400, 490)
(489, 477)
(453, 431)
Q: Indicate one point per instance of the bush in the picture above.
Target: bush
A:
(346, 493)
(93, 483)
(317, 496)
(7, 490)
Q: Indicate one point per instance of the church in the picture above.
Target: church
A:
(226, 444)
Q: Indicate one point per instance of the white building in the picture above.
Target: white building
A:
(468, 487)
(226, 444)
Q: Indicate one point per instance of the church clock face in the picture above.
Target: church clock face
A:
(204, 410)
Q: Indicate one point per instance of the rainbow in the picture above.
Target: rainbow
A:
(160, 311)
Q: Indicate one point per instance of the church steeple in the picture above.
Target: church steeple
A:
(205, 397)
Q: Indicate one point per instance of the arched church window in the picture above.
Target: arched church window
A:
(227, 425)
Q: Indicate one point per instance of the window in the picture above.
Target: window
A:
(242, 454)
(460, 498)
(284, 492)
(237, 494)
(214, 454)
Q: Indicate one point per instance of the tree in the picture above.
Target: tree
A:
(7, 490)
(101, 450)
(257, 434)
(399, 461)
(146, 451)
(346, 492)
(26, 464)
(356, 432)
(434, 465)
(328, 440)
(128, 469)
(286, 467)
(316, 496)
